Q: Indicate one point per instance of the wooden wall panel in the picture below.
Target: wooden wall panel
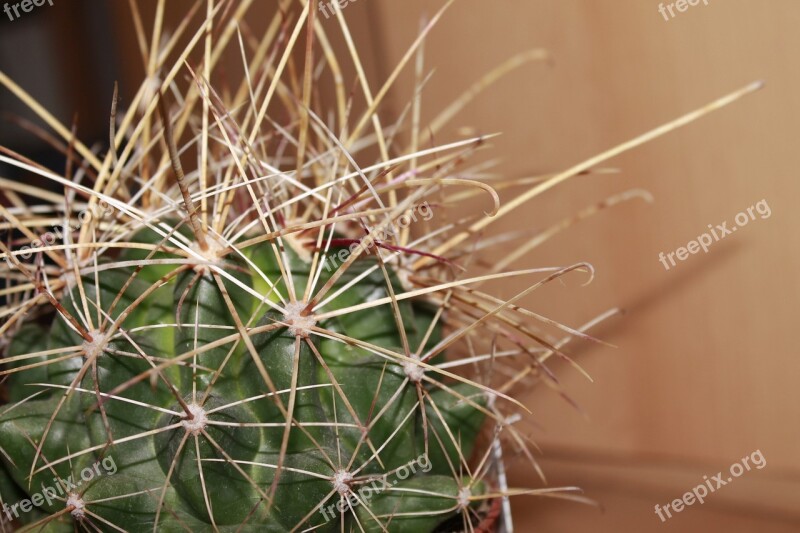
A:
(707, 365)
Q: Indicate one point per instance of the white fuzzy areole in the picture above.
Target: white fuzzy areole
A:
(341, 482)
(211, 255)
(95, 348)
(78, 505)
(414, 371)
(463, 497)
(199, 421)
(299, 324)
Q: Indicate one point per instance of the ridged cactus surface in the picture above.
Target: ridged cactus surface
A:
(205, 442)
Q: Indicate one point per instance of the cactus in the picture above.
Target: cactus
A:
(284, 338)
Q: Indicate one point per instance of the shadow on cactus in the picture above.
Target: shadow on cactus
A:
(273, 340)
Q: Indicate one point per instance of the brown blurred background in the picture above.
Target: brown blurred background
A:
(707, 365)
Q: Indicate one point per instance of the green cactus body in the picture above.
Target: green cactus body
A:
(358, 433)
